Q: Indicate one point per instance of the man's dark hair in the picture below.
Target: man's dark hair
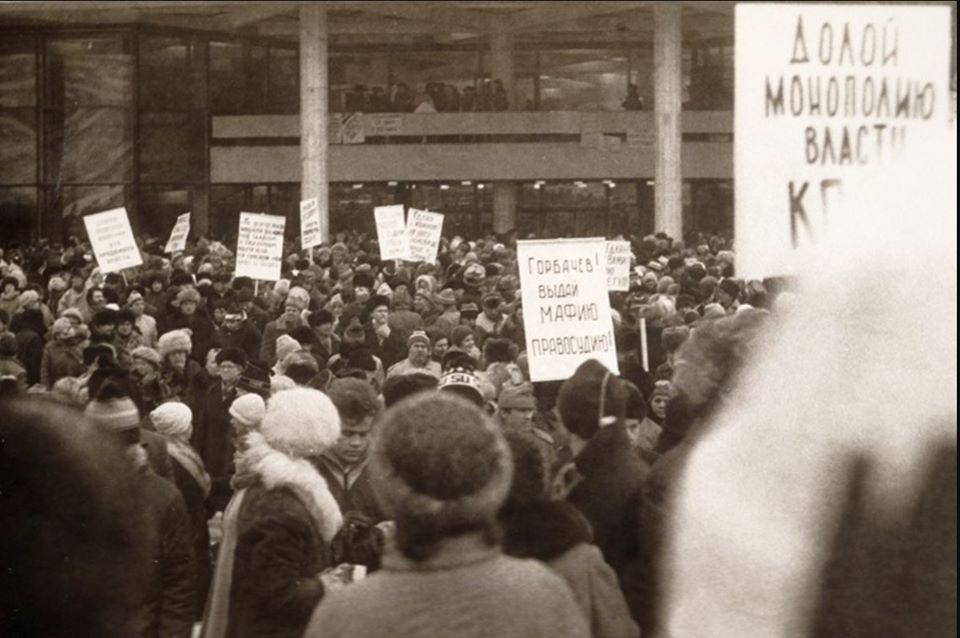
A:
(355, 399)
(400, 387)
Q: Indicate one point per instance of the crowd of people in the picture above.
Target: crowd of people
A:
(436, 97)
(354, 450)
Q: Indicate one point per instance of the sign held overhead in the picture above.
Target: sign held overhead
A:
(178, 235)
(260, 246)
(112, 240)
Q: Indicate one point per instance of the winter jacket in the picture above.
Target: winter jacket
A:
(60, 360)
(390, 350)
(202, 332)
(30, 352)
(466, 590)
(610, 497)
(247, 338)
(213, 440)
(169, 608)
(193, 498)
(351, 487)
(188, 385)
(10, 367)
(274, 329)
(286, 523)
(557, 534)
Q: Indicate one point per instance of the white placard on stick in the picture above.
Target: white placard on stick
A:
(423, 231)
(831, 102)
(178, 235)
(618, 265)
(260, 246)
(392, 232)
(566, 311)
(311, 231)
(112, 240)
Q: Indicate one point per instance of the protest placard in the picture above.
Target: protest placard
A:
(618, 265)
(112, 240)
(178, 235)
(260, 246)
(392, 232)
(423, 231)
(835, 106)
(566, 311)
(311, 231)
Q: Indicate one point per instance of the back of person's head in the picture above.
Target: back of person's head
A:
(589, 398)
(530, 472)
(441, 468)
(356, 400)
(75, 548)
(400, 387)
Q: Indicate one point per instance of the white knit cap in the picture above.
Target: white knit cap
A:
(248, 409)
(173, 419)
(286, 345)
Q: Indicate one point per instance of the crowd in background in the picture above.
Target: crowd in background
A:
(357, 412)
(436, 97)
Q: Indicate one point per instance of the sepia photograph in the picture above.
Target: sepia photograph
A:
(478, 319)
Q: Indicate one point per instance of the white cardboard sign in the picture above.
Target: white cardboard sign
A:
(311, 231)
(260, 246)
(566, 311)
(112, 240)
(392, 232)
(423, 230)
(830, 102)
(178, 235)
(618, 265)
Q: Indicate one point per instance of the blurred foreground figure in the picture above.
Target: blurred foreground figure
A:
(822, 500)
(442, 469)
(75, 553)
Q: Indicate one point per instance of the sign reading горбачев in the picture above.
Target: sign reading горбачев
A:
(835, 106)
(566, 310)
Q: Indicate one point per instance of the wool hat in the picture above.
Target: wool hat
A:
(249, 410)
(460, 333)
(28, 297)
(61, 326)
(464, 382)
(234, 312)
(104, 317)
(592, 393)
(672, 338)
(72, 313)
(473, 275)
(661, 389)
(517, 397)
(173, 419)
(439, 460)
(300, 358)
(469, 310)
(147, 354)
(446, 297)
(297, 297)
(301, 422)
(418, 336)
(234, 355)
(286, 345)
(174, 341)
(114, 414)
(714, 311)
(282, 287)
(187, 295)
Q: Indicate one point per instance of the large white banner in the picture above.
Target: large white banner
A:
(112, 240)
(260, 246)
(178, 235)
(392, 232)
(423, 231)
(618, 265)
(835, 107)
(311, 231)
(566, 311)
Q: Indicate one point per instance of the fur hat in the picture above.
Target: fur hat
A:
(147, 354)
(249, 410)
(446, 297)
(61, 326)
(254, 379)
(114, 414)
(301, 422)
(439, 460)
(592, 393)
(173, 419)
(174, 341)
(473, 275)
(297, 297)
(28, 297)
(514, 397)
(672, 338)
(187, 295)
(286, 345)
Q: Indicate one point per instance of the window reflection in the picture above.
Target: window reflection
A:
(588, 80)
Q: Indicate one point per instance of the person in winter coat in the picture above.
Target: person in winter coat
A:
(145, 374)
(285, 520)
(293, 306)
(442, 470)
(29, 331)
(592, 407)
(186, 315)
(174, 422)
(557, 534)
(169, 607)
(239, 332)
(180, 376)
(60, 475)
(211, 434)
(146, 325)
(10, 366)
(63, 355)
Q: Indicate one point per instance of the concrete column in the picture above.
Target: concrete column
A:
(313, 109)
(668, 101)
(504, 207)
(501, 64)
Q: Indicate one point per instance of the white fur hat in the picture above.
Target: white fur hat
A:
(174, 341)
(301, 422)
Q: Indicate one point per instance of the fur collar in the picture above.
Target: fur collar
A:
(275, 469)
(543, 530)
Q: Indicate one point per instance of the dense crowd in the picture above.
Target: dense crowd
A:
(259, 446)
